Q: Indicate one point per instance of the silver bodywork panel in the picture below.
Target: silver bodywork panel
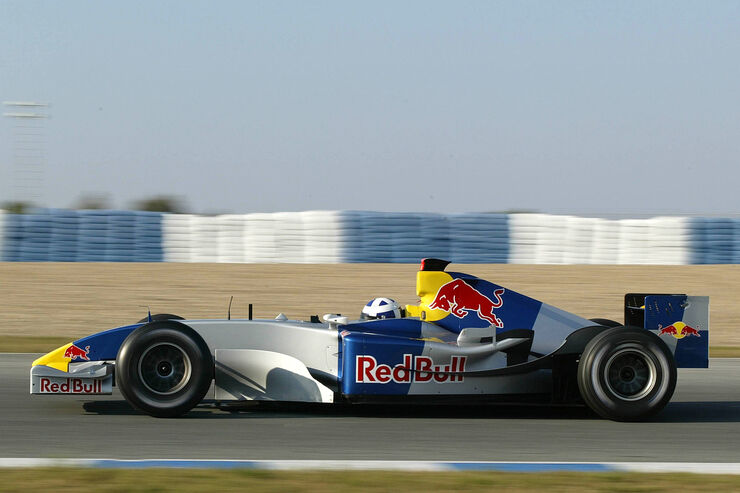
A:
(249, 374)
(269, 359)
(315, 345)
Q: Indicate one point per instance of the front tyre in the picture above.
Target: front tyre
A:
(159, 317)
(164, 369)
(626, 374)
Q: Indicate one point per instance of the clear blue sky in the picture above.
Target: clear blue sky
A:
(564, 107)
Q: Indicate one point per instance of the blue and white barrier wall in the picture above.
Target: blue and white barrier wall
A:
(361, 236)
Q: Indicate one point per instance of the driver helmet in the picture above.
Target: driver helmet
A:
(382, 308)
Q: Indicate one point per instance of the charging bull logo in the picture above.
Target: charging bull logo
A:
(74, 352)
(459, 298)
(679, 330)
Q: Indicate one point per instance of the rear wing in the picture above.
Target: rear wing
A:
(681, 321)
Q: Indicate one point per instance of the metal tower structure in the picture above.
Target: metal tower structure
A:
(29, 149)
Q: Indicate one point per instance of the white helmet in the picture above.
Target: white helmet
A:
(382, 308)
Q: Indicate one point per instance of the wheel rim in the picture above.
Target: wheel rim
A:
(630, 374)
(164, 368)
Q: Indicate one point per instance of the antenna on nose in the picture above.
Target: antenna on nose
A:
(148, 313)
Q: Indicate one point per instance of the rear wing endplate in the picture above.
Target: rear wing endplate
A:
(681, 321)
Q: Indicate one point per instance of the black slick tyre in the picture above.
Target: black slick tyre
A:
(626, 374)
(164, 368)
(605, 322)
(160, 317)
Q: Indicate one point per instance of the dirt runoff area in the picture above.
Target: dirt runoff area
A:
(77, 299)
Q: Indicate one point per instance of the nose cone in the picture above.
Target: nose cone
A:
(55, 359)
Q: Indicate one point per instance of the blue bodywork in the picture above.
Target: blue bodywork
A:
(104, 345)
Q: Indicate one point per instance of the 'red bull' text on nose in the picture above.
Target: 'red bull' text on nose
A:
(71, 386)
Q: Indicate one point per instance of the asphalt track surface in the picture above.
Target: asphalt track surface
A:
(701, 424)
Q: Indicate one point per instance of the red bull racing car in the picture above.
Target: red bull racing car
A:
(468, 340)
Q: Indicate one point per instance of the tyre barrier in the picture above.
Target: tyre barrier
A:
(56, 235)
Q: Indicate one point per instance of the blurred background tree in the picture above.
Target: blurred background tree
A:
(17, 207)
(93, 201)
(162, 203)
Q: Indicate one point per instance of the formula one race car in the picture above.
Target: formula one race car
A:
(468, 340)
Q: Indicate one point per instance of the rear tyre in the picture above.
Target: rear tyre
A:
(160, 317)
(164, 369)
(626, 374)
(605, 322)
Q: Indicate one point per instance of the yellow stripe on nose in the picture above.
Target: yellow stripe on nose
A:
(55, 359)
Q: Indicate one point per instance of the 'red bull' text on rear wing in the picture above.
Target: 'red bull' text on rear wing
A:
(682, 322)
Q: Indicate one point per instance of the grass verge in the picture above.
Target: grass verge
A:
(198, 480)
(30, 344)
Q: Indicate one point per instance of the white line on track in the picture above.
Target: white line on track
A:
(348, 465)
